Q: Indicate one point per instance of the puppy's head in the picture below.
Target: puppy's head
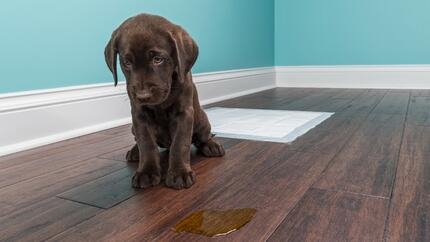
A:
(154, 55)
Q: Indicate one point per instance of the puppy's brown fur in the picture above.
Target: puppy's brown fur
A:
(156, 58)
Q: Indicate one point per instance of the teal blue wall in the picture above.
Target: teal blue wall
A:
(349, 32)
(54, 43)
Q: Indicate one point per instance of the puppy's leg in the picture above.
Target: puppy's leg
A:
(148, 171)
(179, 174)
(204, 139)
(133, 154)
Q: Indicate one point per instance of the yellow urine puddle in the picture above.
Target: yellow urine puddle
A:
(213, 223)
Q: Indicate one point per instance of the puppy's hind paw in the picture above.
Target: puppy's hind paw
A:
(145, 180)
(212, 149)
(133, 154)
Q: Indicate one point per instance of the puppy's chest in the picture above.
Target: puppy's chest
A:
(161, 122)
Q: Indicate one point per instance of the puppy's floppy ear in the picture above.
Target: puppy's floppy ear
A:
(111, 52)
(185, 52)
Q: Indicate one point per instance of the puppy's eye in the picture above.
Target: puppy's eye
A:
(157, 60)
(127, 63)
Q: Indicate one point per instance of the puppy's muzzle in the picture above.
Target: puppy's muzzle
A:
(144, 96)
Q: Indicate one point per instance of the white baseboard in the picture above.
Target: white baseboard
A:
(35, 118)
(376, 77)
(233, 84)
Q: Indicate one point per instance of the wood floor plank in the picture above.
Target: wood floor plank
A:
(243, 100)
(386, 119)
(360, 173)
(118, 155)
(308, 102)
(350, 94)
(355, 112)
(104, 192)
(376, 138)
(367, 163)
(282, 94)
(409, 218)
(419, 111)
(329, 105)
(48, 185)
(271, 99)
(50, 162)
(298, 94)
(422, 92)
(341, 123)
(393, 103)
(46, 150)
(337, 101)
(364, 104)
(296, 99)
(121, 130)
(334, 216)
(43, 219)
(321, 141)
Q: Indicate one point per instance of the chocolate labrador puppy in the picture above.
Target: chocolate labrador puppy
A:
(156, 57)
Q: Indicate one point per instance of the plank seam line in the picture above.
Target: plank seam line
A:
(387, 217)
(80, 202)
(353, 193)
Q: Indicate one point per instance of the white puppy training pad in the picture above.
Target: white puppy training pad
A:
(262, 124)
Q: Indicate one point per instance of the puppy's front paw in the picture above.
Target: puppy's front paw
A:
(145, 179)
(180, 178)
(212, 149)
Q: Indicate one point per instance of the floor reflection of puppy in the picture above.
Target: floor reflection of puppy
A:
(156, 57)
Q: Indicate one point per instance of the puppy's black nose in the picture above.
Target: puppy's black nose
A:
(144, 96)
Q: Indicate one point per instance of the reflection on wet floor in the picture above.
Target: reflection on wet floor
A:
(214, 222)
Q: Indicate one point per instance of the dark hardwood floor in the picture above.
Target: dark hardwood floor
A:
(362, 175)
